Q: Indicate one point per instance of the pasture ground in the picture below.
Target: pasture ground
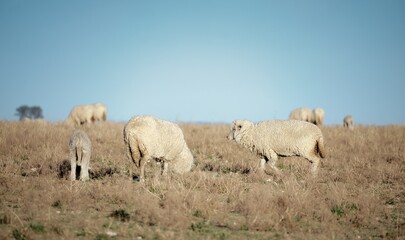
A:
(359, 192)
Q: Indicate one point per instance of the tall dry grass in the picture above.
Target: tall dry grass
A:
(358, 194)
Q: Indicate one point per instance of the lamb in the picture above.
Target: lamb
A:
(318, 116)
(270, 139)
(81, 114)
(348, 122)
(79, 154)
(99, 112)
(303, 114)
(150, 138)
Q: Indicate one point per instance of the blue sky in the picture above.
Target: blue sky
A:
(203, 60)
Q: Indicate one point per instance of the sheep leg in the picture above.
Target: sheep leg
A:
(165, 166)
(73, 170)
(273, 157)
(72, 158)
(84, 171)
(142, 163)
(314, 164)
(262, 163)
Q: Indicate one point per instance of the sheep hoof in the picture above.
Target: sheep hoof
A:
(136, 178)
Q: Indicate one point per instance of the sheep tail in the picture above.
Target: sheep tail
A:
(321, 147)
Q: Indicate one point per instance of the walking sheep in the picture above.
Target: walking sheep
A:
(303, 114)
(79, 154)
(150, 138)
(318, 116)
(270, 139)
(348, 122)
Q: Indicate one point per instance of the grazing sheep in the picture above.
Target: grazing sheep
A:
(79, 154)
(270, 139)
(303, 114)
(82, 114)
(151, 138)
(88, 113)
(348, 122)
(318, 116)
(99, 112)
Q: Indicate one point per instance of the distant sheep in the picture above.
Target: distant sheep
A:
(88, 113)
(82, 114)
(79, 154)
(303, 114)
(150, 138)
(270, 139)
(348, 122)
(99, 112)
(318, 116)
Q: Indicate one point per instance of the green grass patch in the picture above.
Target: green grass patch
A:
(37, 227)
(18, 235)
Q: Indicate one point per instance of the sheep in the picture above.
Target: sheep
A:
(88, 113)
(99, 112)
(270, 139)
(318, 116)
(148, 138)
(79, 154)
(82, 114)
(303, 114)
(348, 122)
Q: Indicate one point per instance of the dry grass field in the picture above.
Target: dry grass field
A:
(359, 192)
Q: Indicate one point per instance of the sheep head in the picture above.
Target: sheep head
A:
(238, 129)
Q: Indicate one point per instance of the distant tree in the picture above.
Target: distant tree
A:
(25, 111)
(36, 112)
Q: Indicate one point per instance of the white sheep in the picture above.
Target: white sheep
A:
(99, 112)
(348, 122)
(150, 138)
(318, 116)
(82, 114)
(270, 139)
(303, 114)
(79, 154)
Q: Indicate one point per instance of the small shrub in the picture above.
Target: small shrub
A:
(343, 209)
(121, 215)
(57, 204)
(197, 226)
(352, 206)
(338, 211)
(102, 236)
(81, 233)
(64, 168)
(18, 235)
(197, 213)
(37, 227)
(5, 219)
(244, 228)
(57, 230)
(103, 172)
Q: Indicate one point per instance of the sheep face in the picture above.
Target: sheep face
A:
(238, 129)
